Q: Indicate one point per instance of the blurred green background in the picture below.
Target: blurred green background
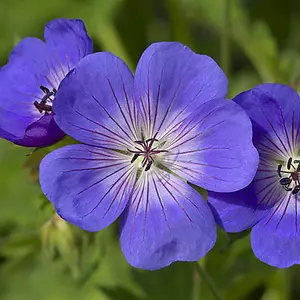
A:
(41, 256)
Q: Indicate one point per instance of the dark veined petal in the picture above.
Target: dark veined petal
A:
(276, 239)
(170, 81)
(21, 78)
(165, 221)
(274, 110)
(68, 42)
(236, 211)
(281, 93)
(243, 209)
(89, 187)
(213, 147)
(13, 126)
(94, 103)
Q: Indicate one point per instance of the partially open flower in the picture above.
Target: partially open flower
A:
(270, 203)
(30, 80)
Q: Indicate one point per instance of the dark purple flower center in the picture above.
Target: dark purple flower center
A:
(146, 150)
(290, 183)
(45, 105)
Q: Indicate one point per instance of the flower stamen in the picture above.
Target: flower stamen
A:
(42, 106)
(147, 151)
(293, 177)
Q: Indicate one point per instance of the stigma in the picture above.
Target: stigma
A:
(146, 149)
(45, 105)
(290, 183)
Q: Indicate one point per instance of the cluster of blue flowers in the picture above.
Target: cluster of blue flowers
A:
(145, 137)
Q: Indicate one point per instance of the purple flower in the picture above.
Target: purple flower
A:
(144, 136)
(29, 82)
(270, 203)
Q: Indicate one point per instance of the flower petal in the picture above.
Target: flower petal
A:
(21, 78)
(89, 187)
(165, 221)
(236, 211)
(213, 147)
(68, 42)
(171, 80)
(28, 132)
(43, 132)
(275, 240)
(275, 120)
(95, 105)
(13, 126)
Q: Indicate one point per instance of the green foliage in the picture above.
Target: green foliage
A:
(43, 257)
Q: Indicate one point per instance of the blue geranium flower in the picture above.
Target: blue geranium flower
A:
(29, 82)
(141, 136)
(270, 203)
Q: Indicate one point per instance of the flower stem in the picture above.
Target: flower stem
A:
(196, 285)
(225, 44)
(207, 279)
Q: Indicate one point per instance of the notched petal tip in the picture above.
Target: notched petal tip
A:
(171, 80)
(69, 38)
(165, 221)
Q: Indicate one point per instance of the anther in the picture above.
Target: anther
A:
(285, 181)
(296, 189)
(42, 106)
(144, 162)
(152, 139)
(44, 89)
(148, 166)
(279, 170)
(135, 156)
(289, 163)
